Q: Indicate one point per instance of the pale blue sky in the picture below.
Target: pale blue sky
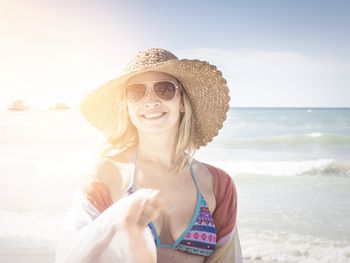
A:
(273, 53)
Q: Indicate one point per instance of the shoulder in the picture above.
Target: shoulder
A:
(111, 166)
(112, 172)
(105, 175)
(222, 181)
(201, 168)
(217, 172)
(104, 170)
(204, 176)
(219, 179)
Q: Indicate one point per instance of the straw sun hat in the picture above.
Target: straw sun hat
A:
(203, 83)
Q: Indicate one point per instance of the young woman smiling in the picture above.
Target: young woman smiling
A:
(149, 200)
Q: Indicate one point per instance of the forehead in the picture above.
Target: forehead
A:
(151, 76)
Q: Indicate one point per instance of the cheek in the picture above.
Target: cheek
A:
(176, 109)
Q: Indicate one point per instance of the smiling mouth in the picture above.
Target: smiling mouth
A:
(153, 116)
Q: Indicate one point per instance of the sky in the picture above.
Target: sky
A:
(272, 53)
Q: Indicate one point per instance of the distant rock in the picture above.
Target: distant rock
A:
(18, 105)
(59, 106)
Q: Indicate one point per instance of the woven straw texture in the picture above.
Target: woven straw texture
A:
(203, 82)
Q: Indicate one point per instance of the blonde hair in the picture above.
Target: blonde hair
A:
(125, 136)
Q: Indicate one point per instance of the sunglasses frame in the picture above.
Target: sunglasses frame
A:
(148, 85)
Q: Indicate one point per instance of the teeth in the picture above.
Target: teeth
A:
(154, 115)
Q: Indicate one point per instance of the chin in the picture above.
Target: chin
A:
(157, 128)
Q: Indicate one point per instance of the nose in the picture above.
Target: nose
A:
(151, 99)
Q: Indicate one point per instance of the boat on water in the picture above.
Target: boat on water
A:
(19, 105)
(59, 106)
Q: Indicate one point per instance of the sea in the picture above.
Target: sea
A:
(291, 168)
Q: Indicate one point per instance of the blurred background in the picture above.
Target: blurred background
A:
(286, 140)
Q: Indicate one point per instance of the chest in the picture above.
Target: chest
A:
(185, 195)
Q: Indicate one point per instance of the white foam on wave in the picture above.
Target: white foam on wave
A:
(286, 141)
(287, 247)
(318, 167)
(315, 134)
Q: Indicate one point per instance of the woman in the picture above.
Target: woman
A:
(148, 199)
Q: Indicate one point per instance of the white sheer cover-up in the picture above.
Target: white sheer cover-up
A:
(90, 236)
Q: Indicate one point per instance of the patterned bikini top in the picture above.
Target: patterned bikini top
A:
(200, 236)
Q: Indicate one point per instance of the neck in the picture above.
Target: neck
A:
(159, 148)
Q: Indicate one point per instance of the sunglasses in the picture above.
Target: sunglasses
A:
(163, 89)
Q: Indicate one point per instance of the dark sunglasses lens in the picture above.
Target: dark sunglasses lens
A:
(135, 92)
(165, 90)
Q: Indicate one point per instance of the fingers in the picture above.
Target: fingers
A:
(146, 216)
(149, 209)
(160, 200)
(95, 198)
(98, 194)
(103, 193)
(148, 205)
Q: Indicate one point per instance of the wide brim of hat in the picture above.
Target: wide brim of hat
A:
(203, 83)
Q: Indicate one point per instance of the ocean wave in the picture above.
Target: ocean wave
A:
(41, 226)
(318, 167)
(287, 140)
(288, 247)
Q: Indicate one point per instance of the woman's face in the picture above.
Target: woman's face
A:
(152, 114)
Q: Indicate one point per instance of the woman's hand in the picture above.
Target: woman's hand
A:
(144, 206)
(139, 209)
(98, 194)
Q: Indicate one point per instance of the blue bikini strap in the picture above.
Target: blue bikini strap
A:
(194, 177)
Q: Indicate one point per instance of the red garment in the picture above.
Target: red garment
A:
(225, 213)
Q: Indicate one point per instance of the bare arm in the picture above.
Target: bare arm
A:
(96, 231)
(87, 232)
